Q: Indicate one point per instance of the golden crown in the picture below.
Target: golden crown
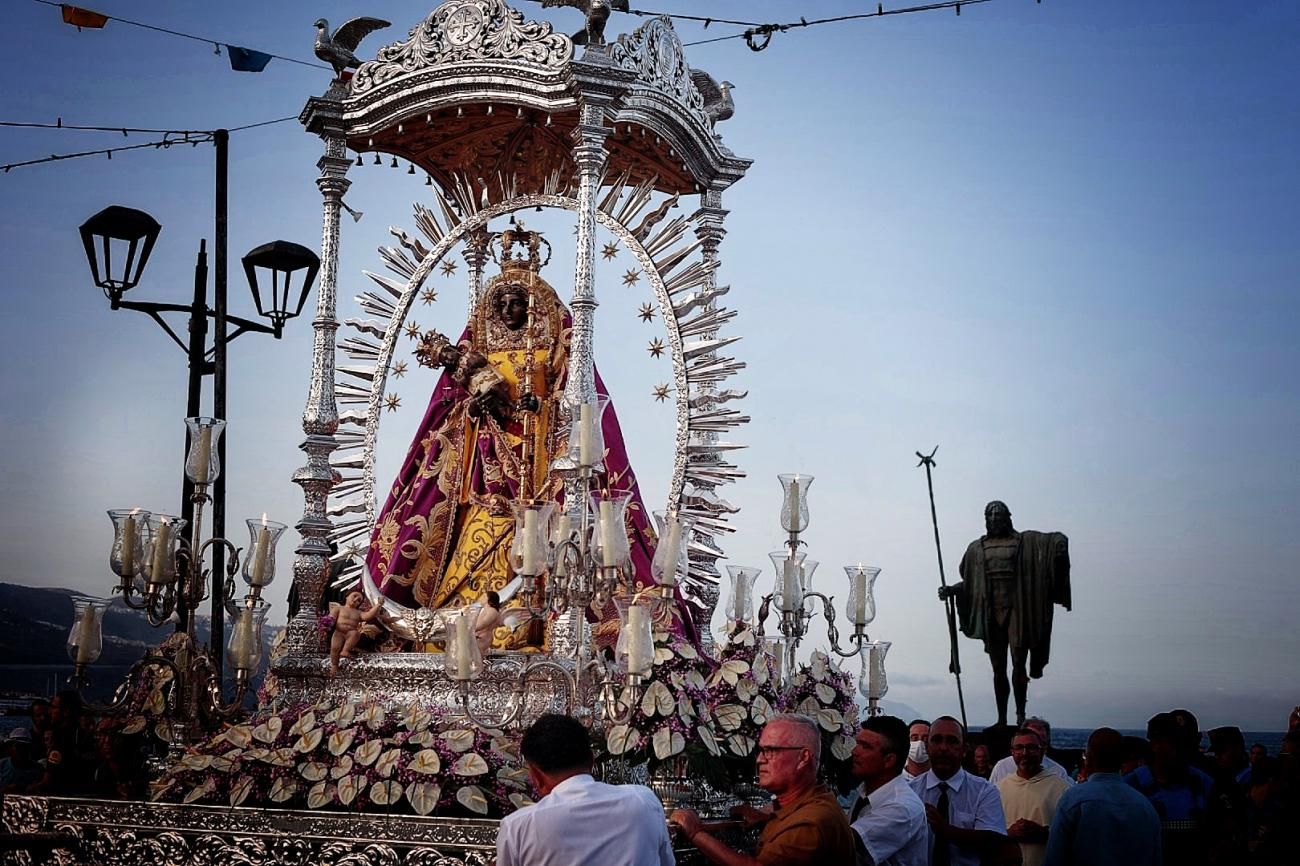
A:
(530, 243)
(430, 348)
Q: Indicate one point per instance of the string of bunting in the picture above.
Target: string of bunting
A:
(758, 36)
(171, 138)
(241, 59)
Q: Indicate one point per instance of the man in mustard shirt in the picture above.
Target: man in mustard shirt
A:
(805, 825)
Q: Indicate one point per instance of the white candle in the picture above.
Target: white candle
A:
(161, 542)
(586, 436)
(794, 502)
(874, 673)
(240, 644)
(87, 636)
(530, 557)
(791, 594)
(608, 552)
(563, 527)
(640, 655)
(741, 601)
(127, 555)
(672, 551)
(464, 642)
(203, 456)
(860, 588)
(260, 552)
(777, 656)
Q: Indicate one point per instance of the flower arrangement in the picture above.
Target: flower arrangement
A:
(672, 717)
(147, 708)
(742, 694)
(822, 691)
(354, 755)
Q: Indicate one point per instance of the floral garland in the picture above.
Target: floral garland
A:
(354, 755)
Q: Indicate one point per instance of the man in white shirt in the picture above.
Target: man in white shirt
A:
(887, 816)
(1007, 766)
(1029, 797)
(579, 820)
(964, 811)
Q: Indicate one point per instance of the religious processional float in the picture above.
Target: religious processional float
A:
(512, 568)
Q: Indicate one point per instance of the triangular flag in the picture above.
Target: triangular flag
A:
(246, 59)
(78, 17)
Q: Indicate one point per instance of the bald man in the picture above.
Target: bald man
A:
(1104, 820)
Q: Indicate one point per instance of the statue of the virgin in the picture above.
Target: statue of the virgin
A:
(488, 438)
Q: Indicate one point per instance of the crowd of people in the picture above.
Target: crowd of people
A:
(926, 796)
(65, 751)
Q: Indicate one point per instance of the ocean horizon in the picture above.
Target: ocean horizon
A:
(1077, 738)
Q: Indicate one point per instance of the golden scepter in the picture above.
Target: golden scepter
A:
(527, 389)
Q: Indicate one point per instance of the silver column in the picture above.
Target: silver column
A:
(320, 418)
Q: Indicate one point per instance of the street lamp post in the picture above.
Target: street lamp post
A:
(118, 241)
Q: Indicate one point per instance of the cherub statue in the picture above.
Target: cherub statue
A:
(489, 617)
(349, 623)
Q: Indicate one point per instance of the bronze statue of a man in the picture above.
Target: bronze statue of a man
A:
(1010, 580)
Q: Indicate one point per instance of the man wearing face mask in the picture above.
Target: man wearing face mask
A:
(918, 759)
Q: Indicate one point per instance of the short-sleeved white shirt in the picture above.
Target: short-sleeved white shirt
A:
(973, 804)
(892, 825)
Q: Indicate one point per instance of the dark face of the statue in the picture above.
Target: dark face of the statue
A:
(513, 309)
(997, 520)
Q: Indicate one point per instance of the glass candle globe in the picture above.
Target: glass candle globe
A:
(259, 564)
(130, 540)
(740, 606)
(529, 548)
(201, 463)
(586, 446)
(86, 638)
(164, 533)
(670, 559)
(794, 506)
(244, 652)
(788, 588)
(862, 599)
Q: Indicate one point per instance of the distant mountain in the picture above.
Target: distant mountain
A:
(34, 626)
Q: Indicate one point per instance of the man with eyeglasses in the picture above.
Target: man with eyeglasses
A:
(1029, 796)
(805, 825)
(1007, 766)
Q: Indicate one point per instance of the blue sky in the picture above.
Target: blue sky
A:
(1056, 239)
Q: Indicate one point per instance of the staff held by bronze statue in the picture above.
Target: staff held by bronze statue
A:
(954, 659)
